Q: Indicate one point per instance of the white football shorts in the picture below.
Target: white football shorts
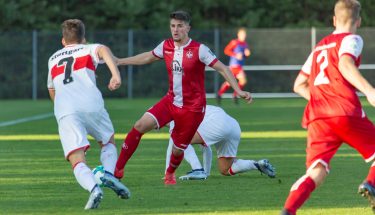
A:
(74, 128)
(222, 131)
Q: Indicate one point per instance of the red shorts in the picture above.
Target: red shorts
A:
(325, 136)
(186, 121)
(237, 72)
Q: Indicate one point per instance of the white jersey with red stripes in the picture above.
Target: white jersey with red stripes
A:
(186, 72)
(72, 75)
(331, 94)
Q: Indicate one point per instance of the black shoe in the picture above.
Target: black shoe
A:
(368, 191)
(285, 212)
(218, 99)
(235, 100)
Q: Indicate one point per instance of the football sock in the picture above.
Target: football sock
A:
(299, 193)
(239, 166)
(128, 148)
(371, 175)
(207, 158)
(224, 87)
(191, 157)
(108, 157)
(84, 176)
(241, 86)
(174, 162)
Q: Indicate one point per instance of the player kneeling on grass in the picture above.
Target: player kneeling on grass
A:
(222, 131)
(79, 108)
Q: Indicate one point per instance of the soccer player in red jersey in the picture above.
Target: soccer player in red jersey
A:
(333, 115)
(185, 101)
(237, 50)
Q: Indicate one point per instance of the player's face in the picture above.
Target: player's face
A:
(179, 30)
(241, 35)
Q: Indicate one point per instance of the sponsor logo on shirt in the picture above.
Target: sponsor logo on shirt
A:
(176, 67)
(168, 52)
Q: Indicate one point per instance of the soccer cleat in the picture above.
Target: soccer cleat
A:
(169, 179)
(218, 99)
(195, 174)
(119, 173)
(95, 198)
(285, 212)
(235, 100)
(264, 166)
(113, 183)
(368, 191)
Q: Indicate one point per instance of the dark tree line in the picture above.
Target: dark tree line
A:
(151, 14)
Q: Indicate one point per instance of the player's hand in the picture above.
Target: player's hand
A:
(239, 56)
(247, 52)
(246, 95)
(114, 83)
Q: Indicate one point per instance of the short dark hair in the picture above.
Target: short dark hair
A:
(181, 15)
(73, 30)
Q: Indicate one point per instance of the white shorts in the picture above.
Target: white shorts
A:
(221, 130)
(74, 128)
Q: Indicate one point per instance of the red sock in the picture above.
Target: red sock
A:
(299, 193)
(131, 143)
(371, 175)
(175, 162)
(224, 87)
(241, 86)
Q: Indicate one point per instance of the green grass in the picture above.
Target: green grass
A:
(35, 178)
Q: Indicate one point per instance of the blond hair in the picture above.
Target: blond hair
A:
(347, 10)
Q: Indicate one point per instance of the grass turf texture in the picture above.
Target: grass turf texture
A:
(35, 178)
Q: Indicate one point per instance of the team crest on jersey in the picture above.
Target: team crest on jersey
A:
(189, 54)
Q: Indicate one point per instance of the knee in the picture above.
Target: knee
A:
(242, 81)
(318, 174)
(141, 126)
(224, 171)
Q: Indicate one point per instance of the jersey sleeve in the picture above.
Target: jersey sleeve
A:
(158, 51)
(351, 45)
(228, 50)
(306, 68)
(206, 56)
(94, 48)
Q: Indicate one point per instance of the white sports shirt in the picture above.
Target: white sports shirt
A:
(72, 75)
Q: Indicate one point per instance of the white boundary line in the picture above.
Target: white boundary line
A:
(26, 119)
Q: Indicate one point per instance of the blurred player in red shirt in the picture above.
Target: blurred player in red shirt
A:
(237, 50)
(185, 102)
(334, 114)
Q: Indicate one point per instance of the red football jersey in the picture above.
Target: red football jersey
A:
(186, 72)
(331, 94)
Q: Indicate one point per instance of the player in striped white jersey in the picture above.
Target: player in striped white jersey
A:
(79, 107)
(222, 131)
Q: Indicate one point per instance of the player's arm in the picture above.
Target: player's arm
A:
(247, 52)
(228, 50)
(140, 59)
(51, 92)
(104, 53)
(351, 73)
(301, 86)
(228, 76)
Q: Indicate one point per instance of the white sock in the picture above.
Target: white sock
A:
(207, 158)
(240, 166)
(108, 157)
(191, 157)
(84, 176)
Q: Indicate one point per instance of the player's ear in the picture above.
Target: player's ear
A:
(84, 41)
(358, 22)
(334, 21)
(63, 42)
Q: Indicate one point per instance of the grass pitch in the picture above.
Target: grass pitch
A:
(35, 178)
